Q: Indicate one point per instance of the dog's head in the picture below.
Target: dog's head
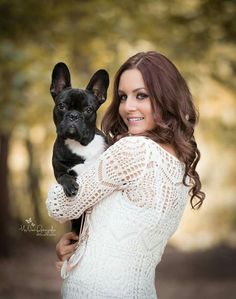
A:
(74, 113)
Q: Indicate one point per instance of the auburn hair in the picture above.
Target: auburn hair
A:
(174, 113)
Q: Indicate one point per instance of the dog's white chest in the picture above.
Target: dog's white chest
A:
(89, 153)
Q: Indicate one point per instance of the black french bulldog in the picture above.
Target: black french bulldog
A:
(78, 140)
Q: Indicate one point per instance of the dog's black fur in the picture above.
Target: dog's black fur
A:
(74, 116)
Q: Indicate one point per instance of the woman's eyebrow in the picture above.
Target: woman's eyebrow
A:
(136, 89)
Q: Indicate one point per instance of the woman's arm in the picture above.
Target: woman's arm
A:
(121, 166)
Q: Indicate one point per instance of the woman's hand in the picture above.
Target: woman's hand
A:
(64, 248)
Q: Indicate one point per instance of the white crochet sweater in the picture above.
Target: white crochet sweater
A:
(137, 195)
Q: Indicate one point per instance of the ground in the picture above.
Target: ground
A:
(30, 273)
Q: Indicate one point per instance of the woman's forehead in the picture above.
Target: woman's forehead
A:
(131, 79)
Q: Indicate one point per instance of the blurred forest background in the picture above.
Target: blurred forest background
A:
(199, 36)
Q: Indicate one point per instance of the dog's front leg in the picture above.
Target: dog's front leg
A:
(78, 169)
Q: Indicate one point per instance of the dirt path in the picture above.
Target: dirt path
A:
(30, 274)
(200, 275)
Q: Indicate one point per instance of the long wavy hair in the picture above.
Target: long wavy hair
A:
(174, 114)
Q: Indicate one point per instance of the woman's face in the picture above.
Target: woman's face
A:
(135, 105)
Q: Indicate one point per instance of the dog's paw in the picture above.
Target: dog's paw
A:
(69, 184)
(71, 189)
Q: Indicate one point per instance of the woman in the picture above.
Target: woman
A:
(138, 188)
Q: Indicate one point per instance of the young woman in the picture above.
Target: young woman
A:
(138, 188)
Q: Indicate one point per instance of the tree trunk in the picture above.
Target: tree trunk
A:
(33, 180)
(4, 196)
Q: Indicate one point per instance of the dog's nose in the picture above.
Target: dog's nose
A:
(73, 116)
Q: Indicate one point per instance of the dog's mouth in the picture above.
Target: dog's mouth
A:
(73, 133)
(72, 130)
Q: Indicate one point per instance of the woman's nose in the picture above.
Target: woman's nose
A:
(130, 104)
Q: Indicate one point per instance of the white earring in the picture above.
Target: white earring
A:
(187, 117)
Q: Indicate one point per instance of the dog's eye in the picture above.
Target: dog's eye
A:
(89, 110)
(61, 106)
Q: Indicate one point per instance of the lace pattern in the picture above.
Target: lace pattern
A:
(138, 198)
(119, 168)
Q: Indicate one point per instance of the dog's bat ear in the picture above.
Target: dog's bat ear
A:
(60, 79)
(98, 85)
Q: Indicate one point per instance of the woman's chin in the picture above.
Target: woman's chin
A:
(135, 131)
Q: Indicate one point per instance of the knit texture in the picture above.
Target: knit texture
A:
(138, 198)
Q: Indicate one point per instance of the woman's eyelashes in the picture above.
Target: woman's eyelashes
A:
(139, 96)
(122, 97)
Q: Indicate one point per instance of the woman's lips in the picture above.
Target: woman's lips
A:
(134, 120)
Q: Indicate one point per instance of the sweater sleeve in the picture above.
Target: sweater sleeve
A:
(121, 166)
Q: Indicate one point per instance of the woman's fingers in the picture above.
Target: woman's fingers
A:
(64, 248)
(67, 250)
(67, 237)
(64, 257)
(58, 265)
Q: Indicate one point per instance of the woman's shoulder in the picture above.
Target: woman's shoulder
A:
(132, 145)
(166, 152)
(134, 140)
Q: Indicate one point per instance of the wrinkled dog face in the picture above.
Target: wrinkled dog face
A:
(74, 113)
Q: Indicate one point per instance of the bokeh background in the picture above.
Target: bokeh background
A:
(199, 36)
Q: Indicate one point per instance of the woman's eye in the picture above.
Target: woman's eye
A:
(122, 97)
(142, 96)
(61, 106)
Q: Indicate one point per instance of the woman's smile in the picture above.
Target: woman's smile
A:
(134, 120)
